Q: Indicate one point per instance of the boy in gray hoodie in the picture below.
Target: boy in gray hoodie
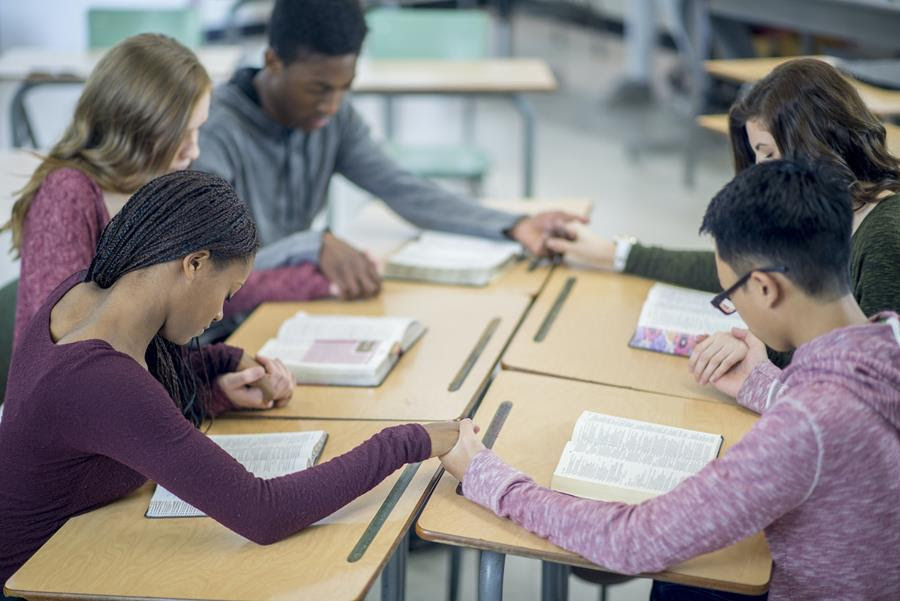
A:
(279, 133)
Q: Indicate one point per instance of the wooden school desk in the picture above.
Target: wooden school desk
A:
(747, 70)
(116, 553)
(18, 63)
(539, 424)
(588, 338)
(437, 379)
(719, 124)
(510, 77)
(381, 232)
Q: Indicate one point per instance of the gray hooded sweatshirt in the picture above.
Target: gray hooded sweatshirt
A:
(283, 175)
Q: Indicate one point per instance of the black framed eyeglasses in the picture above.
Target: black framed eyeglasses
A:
(722, 301)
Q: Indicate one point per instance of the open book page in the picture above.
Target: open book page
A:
(452, 258)
(304, 328)
(618, 459)
(673, 319)
(264, 456)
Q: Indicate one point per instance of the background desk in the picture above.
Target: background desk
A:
(417, 387)
(589, 338)
(381, 232)
(115, 552)
(719, 124)
(16, 64)
(540, 423)
(512, 77)
(747, 70)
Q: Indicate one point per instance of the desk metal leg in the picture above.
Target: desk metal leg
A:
(554, 581)
(527, 112)
(393, 578)
(490, 576)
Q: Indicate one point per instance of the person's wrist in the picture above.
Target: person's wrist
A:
(621, 250)
(514, 231)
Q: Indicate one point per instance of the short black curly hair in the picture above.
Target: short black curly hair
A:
(299, 28)
(787, 213)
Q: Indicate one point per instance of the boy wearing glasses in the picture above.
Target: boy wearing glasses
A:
(819, 472)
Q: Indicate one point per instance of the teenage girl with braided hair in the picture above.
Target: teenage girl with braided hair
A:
(103, 395)
(137, 118)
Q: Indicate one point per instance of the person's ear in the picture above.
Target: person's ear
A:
(272, 62)
(195, 263)
(767, 288)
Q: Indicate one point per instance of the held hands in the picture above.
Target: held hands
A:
(534, 232)
(457, 460)
(352, 272)
(726, 359)
(579, 244)
(259, 383)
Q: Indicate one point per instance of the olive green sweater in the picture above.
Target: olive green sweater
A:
(874, 264)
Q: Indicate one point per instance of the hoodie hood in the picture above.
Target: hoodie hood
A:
(862, 359)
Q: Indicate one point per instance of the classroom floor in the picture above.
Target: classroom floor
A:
(585, 148)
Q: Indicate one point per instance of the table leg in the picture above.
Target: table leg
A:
(527, 113)
(554, 581)
(490, 576)
(393, 577)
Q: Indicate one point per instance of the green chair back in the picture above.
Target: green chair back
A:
(7, 323)
(398, 33)
(107, 27)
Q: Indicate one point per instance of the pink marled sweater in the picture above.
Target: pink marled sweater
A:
(62, 229)
(819, 473)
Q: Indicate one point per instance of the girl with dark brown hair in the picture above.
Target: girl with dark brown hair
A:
(803, 109)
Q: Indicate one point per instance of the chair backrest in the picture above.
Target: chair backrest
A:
(41, 109)
(7, 323)
(107, 27)
(399, 33)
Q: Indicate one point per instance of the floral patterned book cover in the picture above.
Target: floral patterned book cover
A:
(674, 320)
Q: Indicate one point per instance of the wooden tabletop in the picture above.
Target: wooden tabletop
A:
(540, 423)
(589, 338)
(418, 386)
(116, 553)
(879, 100)
(486, 76)
(719, 124)
(18, 63)
(381, 232)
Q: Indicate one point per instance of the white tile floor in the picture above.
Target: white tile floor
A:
(582, 150)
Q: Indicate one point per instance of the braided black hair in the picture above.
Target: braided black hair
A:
(165, 220)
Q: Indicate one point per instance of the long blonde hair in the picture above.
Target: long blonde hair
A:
(129, 122)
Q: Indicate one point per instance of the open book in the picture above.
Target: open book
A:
(264, 455)
(451, 259)
(673, 319)
(618, 459)
(342, 350)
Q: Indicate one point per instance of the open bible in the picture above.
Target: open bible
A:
(619, 459)
(451, 259)
(264, 455)
(673, 319)
(342, 350)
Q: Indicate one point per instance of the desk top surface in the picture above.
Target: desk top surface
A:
(20, 62)
(485, 76)
(116, 553)
(418, 387)
(588, 339)
(719, 124)
(879, 100)
(545, 409)
(381, 232)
